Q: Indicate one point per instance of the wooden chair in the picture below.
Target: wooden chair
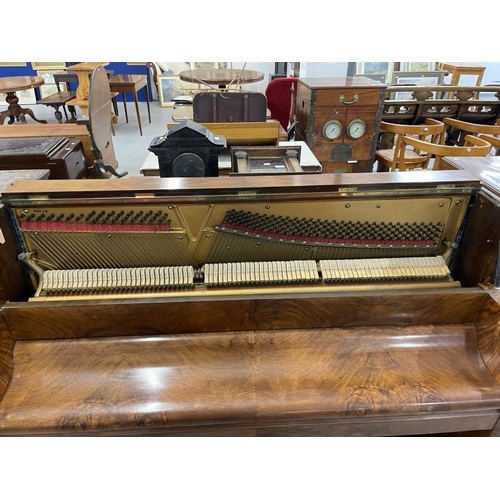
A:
(400, 157)
(473, 146)
(493, 140)
(456, 130)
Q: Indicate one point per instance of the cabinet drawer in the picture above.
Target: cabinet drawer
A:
(347, 97)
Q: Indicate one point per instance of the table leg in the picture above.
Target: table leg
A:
(137, 111)
(124, 99)
(72, 111)
(147, 102)
(15, 112)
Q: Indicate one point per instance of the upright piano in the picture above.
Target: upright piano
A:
(263, 306)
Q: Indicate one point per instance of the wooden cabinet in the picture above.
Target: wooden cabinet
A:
(63, 157)
(339, 119)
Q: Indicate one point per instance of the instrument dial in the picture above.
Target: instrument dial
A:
(332, 130)
(356, 129)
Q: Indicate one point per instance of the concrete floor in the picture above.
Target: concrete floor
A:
(131, 148)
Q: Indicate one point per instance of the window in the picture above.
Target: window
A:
(388, 68)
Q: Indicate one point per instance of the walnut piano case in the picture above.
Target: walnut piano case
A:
(249, 354)
(253, 366)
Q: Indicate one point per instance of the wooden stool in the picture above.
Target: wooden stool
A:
(457, 70)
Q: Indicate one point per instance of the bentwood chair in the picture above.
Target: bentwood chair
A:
(494, 141)
(473, 146)
(401, 156)
(457, 129)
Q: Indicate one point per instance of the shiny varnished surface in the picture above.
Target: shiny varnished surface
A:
(249, 379)
(488, 326)
(221, 76)
(6, 355)
(283, 366)
(272, 184)
(477, 257)
(340, 82)
(17, 83)
(487, 169)
(97, 318)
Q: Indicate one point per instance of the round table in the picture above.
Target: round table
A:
(221, 77)
(12, 84)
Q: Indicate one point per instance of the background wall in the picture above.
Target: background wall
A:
(119, 68)
(322, 69)
(307, 69)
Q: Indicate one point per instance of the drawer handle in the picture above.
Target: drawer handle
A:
(343, 101)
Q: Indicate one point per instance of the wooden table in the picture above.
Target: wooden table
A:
(83, 71)
(485, 168)
(221, 77)
(131, 83)
(12, 84)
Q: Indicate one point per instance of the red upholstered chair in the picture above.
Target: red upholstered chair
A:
(281, 94)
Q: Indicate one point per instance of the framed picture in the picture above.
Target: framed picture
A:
(224, 65)
(426, 78)
(170, 87)
(47, 65)
(7, 64)
(25, 96)
(49, 87)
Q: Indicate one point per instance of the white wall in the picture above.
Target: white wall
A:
(331, 69)
(266, 67)
(322, 69)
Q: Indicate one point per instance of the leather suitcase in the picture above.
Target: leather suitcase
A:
(220, 107)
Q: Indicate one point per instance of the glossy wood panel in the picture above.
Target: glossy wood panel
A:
(478, 254)
(250, 380)
(6, 354)
(374, 308)
(95, 318)
(488, 330)
(304, 185)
